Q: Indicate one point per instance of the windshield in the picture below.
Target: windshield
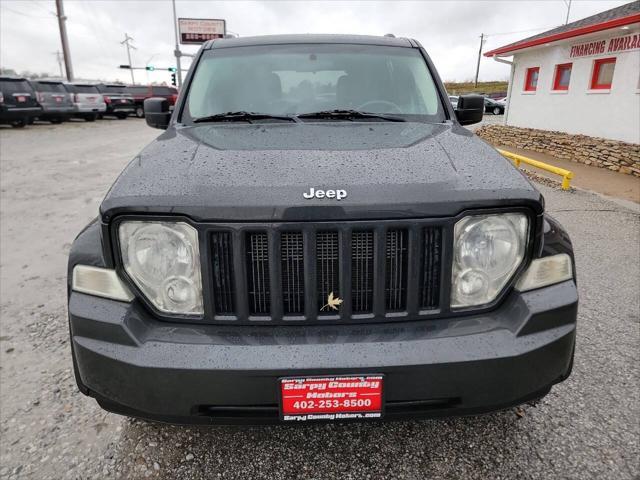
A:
(50, 87)
(84, 88)
(14, 86)
(304, 78)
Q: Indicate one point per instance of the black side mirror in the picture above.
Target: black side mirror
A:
(470, 109)
(157, 113)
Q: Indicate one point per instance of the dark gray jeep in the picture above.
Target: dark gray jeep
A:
(316, 237)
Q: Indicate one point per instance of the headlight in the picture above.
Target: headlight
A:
(163, 260)
(487, 251)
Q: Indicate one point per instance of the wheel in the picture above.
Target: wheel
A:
(56, 120)
(19, 123)
(100, 116)
(497, 110)
(90, 118)
(139, 112)
(121, 116)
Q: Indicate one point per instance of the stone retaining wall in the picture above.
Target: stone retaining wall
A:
(611, 154)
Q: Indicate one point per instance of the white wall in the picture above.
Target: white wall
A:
(613, 114)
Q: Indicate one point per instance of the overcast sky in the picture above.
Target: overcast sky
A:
(449, 30)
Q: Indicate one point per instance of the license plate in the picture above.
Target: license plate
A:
(21, 98)
(58, 99)
(331, 398)
(123, 101)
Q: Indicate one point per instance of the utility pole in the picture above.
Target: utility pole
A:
(58, 55)
(126, 42)
(177, 50)
(568, 4)
(479, 56)
(63, 38)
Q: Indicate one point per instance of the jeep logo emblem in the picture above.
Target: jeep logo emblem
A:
(337, 194)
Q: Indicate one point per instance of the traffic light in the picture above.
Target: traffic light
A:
(151, 68)
(173, 79)
(172, 69)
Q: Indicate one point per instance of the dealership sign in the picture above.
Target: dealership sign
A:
(199, 30)
(612, 45)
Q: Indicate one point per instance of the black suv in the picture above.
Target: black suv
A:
(18, 102)
(119, 102)
(315, 236)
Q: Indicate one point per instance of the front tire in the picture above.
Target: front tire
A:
(121, 116)
(497, 110)
(56, 121)
(90, 118)
(19, 123)
(139, 112)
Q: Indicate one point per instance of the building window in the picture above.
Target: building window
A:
(602, 76)
(562, 76)
(531, 79)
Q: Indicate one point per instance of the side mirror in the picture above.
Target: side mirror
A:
(157, 113)
(470, 109)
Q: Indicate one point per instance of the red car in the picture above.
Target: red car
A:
(142, 92)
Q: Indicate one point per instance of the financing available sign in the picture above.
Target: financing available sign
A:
(623, 43)
(199, 30)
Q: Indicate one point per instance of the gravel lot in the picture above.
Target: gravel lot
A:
(52, 180)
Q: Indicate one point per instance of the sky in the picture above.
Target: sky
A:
(449, 30)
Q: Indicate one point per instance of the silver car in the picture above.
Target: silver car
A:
(88, 102)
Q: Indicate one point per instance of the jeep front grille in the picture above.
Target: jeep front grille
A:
(286, 273)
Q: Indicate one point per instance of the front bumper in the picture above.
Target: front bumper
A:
(136, 365)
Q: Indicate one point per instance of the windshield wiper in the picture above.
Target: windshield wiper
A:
(339, 114)
(241, 116)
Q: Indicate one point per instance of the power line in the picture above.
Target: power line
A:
(22, 13)
(519, 31)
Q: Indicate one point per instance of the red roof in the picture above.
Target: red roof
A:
(616, 17)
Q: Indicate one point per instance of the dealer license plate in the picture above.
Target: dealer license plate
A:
(331, 398)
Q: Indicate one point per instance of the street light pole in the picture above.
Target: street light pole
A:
(177, 50)
(64, 40)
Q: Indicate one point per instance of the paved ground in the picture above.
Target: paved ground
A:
(52, 179)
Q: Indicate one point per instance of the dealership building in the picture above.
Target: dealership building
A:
(580, 78)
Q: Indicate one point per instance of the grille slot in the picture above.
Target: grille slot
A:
(258, 274)
(327, 266)
(223, 284)
(432, 254)
(362, 271)
(292, 254)
(396, 270)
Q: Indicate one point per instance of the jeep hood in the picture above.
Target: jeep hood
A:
(258, 172)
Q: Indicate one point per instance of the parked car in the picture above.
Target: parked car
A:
(56, 102)
(454, 100)
(18, 103)
(269, 259)
(119, 103)
(492, 106)
(88, 102)
(141, 92)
